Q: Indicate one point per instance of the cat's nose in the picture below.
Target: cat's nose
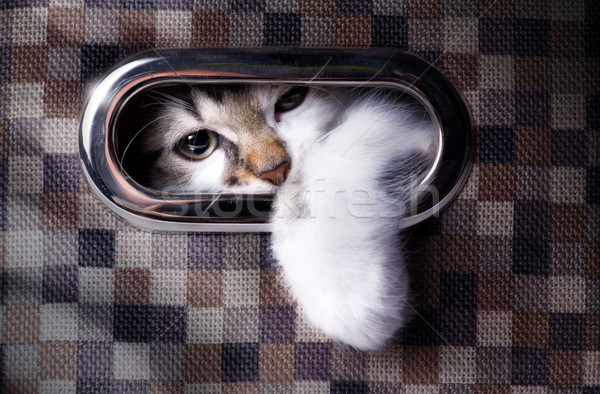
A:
(277, 175)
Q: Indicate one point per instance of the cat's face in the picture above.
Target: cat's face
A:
(239, 139)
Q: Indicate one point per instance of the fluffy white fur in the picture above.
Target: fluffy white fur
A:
(356, 160)
(335, 227)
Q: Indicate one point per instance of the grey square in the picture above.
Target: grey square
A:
(23, 286)
(493, 365)
(242, 251)
(95, 322)
(567, 258)
(24, 212)
(495, 254)
(64, 63)
(94, 360)
(501, 107)
(25, 136)
(240, 324)
(21, 361)
(531, 293)
(460, 218)
(61, 247)
(566, 75)
(167, 361)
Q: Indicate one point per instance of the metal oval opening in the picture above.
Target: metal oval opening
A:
(124, 108)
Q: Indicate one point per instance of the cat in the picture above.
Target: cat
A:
(344, 163)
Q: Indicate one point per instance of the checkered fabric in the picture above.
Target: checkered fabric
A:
(505, 283)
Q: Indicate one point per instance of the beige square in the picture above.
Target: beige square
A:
(58, 386)
(458, 365)
(305, 331)
(567, 294)
(29, 25)
(59, 322)
(572, 10)
(592, 369)
(385, 366)
(131, 361)
(25, 174)
(496, 72)
(93, 213)
(205, 325)
(26, 100)
(169, 250)
(102, 26)
(96, 285)
(173, 28)
(241, 287)
(425, 34)
(568, 111)
(567, 185)
(461, 35)
(494, 329)
(168, 287)
(246, 30)
(495, 218)
(25, 249)
(133, 249)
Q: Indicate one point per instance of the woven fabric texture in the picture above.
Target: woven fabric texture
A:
(505, 283)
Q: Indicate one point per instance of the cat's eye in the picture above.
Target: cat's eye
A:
(199, 144)
(291, 99)
(117, 151)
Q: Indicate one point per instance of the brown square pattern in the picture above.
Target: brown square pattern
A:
(325, 7)
(276, 362)
(495, 292)
(210, 29)
(459, 253)
(272, 289)
(203, 363)
(422, 365)
(132, 285)
(567, 39)
(205, 288)
(61, 210)
(463, 69)
(353, 30)
(565, 369)
(496, 182)
(568, 222)
(530, 329)
(137, 28)
(532, 146)
(21, 324)
(58, 360)
(62, 99)
(425, 8)
(532, 74)
(65, 26)
(28, 63)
